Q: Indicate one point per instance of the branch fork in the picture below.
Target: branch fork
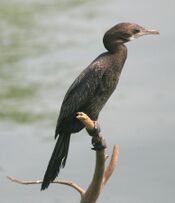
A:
(101, 174)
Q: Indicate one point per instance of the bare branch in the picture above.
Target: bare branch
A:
(112, 165)
(101, 175)
(71, 184)
(24, 182)
(93, 191)
(63, 182)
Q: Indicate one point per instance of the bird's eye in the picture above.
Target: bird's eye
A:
(135, 31)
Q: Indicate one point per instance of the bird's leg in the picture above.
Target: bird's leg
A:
(93, 129)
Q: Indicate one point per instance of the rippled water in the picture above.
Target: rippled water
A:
(44, 46)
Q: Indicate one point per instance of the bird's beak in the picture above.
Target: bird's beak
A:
(144, 31)
(148, 32)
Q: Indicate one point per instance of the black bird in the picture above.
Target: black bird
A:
(90, 91)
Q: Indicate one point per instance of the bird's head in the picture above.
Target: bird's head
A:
(124, 32)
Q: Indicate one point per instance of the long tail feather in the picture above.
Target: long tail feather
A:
(57, 160)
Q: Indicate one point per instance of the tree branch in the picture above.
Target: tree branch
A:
(101, 174)
(93, 191)
(112, 165)
(62, 182)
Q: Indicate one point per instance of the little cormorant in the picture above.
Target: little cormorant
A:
(90, 91)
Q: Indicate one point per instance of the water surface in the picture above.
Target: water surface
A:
(44, 46)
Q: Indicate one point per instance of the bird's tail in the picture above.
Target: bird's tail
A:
(57, 160)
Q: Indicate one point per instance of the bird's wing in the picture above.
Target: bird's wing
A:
(80, 92)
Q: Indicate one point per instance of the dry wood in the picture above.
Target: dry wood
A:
(34, 182)
(101, 174)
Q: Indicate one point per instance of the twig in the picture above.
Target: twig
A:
(112, 165)
(63, 182)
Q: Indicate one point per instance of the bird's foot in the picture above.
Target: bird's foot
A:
(93, 129)
(98, 141)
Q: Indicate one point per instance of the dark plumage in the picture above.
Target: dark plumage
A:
(90, 91)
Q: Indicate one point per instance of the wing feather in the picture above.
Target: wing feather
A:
(80, 92)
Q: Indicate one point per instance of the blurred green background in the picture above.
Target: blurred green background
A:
(44, 45)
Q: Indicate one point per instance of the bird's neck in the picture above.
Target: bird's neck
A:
(119, 48)
(120, 55)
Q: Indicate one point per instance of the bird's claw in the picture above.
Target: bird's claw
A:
(98, 143)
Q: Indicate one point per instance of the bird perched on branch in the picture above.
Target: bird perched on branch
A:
(91, 90)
